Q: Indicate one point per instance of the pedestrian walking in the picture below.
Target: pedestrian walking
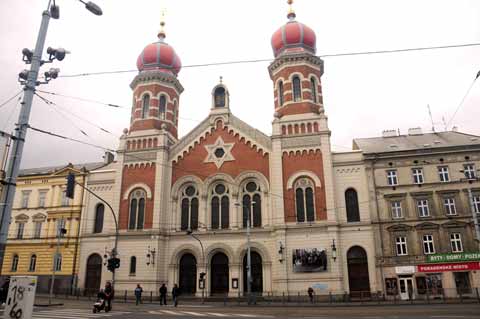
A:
(175, 294)
(310, 294)
(163, 294)
(4, 291)
(138, 294)
(109, 293)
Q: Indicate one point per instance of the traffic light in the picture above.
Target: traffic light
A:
(113, 263)
(202, 276)
(70, 185)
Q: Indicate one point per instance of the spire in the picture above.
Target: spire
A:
(291, 13)
(161, 34)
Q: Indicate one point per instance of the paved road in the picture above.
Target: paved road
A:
(129, 311)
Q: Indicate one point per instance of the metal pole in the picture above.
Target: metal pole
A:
(203, 258)
(249, 260)
(474, 215)
(114, 250)
(55, 260)
(20, 134)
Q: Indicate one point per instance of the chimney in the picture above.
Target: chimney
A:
(108, 158)
(415, 131)
(389, 133)
(455, 129)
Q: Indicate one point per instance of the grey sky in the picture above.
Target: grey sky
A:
(363, 95)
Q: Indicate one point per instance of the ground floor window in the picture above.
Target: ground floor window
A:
(462, 282)
(432, 282)
(391, 286)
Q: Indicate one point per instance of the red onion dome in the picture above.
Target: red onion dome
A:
(159, 56)
(293, 37)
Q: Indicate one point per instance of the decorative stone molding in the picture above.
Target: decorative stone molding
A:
(303, 173)
(137, 185)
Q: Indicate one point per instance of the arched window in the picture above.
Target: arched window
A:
(280, 93)
(133, 265)
(57, 262)
(189, 208)
(137, 209)
(99, 212)
(304, 200)
(252, 204)
(220, 203)
(219, 96)
(175, 110)
(14, 263)
(313, 85)
(145, 106)
(162, 106)
(351, 202)
(33, 263)
(297, 89)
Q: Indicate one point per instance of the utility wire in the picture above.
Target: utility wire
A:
(8, 100)
(463, 99)
(329, 55)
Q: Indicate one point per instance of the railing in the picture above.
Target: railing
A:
(294, 298)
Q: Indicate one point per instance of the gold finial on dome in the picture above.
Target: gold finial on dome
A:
(291, 13)
(161, 34)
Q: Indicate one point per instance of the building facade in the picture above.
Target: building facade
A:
(184, 205)
(35, 243)
(420, 184)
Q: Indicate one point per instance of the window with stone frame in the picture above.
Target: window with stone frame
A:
(42, 196)
(456, 242)
(136, 216)
(65, 201)
(33, 263)
(57, 262)
(145, 106)
(297, 89)
(61, 227)
(251, 204)
(423, 208)
(351, 204)
(392, 179)
(417, 174)
(25, 198)
(396, 208)
(443, 174)
(14, 263)
(476, 203)
(133, 266)
(189, 208)
(220, 207)
(38, 229)
(280, 94)
(20, 230)
(175, 113)
(449, 205)
(99, 216)
(305, 200)
(469, 171)
(162, 107)
(401, 245)
(428, 245)
(313, 85)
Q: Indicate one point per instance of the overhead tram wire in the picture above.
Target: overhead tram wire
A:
(463, 99)
(9, 99)
(328, 55)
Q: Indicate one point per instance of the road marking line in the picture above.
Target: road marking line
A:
(168, 312)
(195, 313)
(217, 314)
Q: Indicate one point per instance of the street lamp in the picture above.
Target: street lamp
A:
(151, 256)
(249, 256)
(30, 81)
(334, 250)
(202, 274)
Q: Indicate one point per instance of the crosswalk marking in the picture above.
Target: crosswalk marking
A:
(73, 314)
(198, 314)
(217, 314)
(206, 314)
(168, 312)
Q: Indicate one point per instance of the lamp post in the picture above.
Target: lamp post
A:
(29, 78)
(249, 256)
(202, 274)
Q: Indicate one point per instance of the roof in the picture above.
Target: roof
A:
(53, 169)
(415, 142)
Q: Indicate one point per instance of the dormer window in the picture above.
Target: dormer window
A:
(297, 89)
(162, 106)
(145, 105)
(219, 97)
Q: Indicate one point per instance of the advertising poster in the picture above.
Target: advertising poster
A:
(309, 260)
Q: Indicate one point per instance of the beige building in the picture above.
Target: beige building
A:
(40, 210)
(425, 232)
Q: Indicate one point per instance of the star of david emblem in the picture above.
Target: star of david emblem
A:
(219, 152)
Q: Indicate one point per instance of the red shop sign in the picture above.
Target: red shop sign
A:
(473, 265)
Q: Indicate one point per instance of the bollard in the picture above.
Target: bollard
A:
(125, 297)
(461, 295)
(298, 300)
(330, 297)
(225, 300)
(283, 298)
(151, 296)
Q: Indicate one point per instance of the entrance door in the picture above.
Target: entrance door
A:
(219, 274)
(94, 274)
(257, 273)
(358, 279)
(406, 288)
(188, 274)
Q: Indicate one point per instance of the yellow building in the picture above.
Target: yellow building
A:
(40, 210)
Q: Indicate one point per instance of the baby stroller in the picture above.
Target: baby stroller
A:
(99, 305)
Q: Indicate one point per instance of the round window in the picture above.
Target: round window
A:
(219, 152)
(220, 189)
(190, 191)
(251, 187)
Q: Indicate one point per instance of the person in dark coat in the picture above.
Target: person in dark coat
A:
(175, 294)
(138, 294)
(108, 295)
(163, 294)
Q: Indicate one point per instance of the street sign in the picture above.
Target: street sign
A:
(457, 257)
(21, 295)
(472, 265)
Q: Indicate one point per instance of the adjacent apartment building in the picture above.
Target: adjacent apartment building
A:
(419, 184)
(36, 243)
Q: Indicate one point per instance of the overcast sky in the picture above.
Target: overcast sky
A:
(363, 95)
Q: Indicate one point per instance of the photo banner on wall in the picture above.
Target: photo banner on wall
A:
(309, 260)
